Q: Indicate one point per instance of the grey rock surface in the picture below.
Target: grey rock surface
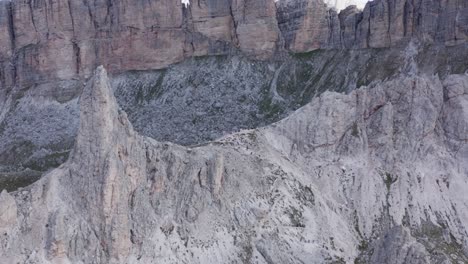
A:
(47, 53)
(204, 99)
(376, 175)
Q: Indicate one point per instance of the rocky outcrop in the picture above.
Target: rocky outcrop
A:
(396, 152)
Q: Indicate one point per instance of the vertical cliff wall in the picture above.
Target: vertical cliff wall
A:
(43, 40)
(64, 39)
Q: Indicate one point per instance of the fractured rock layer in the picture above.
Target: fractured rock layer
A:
(379, 169)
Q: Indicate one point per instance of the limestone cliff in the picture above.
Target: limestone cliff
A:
(64, 39)
(43, 40)
(376, 176)
(308, 24)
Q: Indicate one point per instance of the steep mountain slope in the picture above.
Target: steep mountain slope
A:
(376, 175)
(273, 166)
(204, 98)
(271, 58)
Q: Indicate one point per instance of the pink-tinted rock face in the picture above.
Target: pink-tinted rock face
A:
(256, 26)
(5, 40)
(67, 38)
(213, 19)
(307, 24)
(391, 23)
(62, 39)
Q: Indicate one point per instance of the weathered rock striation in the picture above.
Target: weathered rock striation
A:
(308, 24)
(65, 39)
(43, 41)
(396, 152)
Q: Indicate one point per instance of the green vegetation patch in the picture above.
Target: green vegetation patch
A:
(13, 181)
(269, 108)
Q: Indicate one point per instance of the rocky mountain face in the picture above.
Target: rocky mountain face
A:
(374, 176)
(42, 40)
(271, 158)
(204, 99)
(308, 24)
(48, 49)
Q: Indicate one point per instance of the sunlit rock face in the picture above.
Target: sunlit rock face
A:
(377, 176)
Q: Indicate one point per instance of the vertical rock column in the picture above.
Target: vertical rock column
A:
(105, 166)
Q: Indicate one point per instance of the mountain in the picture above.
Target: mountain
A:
(240, 132)
(65, 39)
(375, 176)
(237, 65)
